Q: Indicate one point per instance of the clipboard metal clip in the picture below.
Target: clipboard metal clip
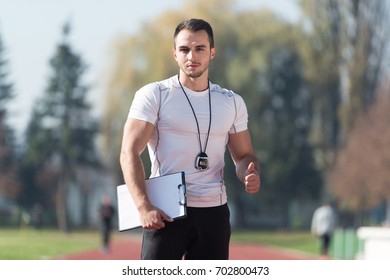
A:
(182, 194)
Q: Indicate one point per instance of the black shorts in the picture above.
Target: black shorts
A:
(203, 235)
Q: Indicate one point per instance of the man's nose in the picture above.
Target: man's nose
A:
(191, 55)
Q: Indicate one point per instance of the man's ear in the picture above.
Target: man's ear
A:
(174, 54)
(213, 51)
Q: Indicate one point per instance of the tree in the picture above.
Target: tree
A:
(61, 133)
(286, 119)
(345, 51)
(360, 179)
(9, 184)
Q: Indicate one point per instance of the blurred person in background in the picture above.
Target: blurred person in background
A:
(323, 226)
(106, 214)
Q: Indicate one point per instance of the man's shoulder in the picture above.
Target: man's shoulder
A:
(167, 83)
(227, 94)
(224, 91)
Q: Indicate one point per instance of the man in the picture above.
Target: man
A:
(106, 213)
(323, 226)
(186, 121)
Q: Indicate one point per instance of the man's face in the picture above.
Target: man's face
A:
(192, 52)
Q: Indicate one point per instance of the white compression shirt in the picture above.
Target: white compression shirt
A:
(174, 144)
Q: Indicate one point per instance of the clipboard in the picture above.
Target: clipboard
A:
(167, 192)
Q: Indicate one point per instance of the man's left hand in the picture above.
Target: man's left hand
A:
(252, 179)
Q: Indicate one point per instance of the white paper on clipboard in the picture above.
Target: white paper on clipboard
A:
(165, 192)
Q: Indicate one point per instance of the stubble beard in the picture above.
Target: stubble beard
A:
(194, 74)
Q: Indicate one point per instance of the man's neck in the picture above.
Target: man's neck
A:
(195, 84)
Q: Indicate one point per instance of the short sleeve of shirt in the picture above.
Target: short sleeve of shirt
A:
(145, 104)
(241, 119)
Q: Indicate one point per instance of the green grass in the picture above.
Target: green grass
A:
(31, 244)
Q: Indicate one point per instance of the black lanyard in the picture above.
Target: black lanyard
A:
(202, 152)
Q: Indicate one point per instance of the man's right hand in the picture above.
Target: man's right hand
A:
(153, 218)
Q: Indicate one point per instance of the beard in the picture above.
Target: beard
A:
(194, 73)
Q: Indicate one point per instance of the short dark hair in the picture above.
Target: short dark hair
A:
(195, 25)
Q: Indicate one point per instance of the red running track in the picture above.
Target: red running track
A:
(129, 248)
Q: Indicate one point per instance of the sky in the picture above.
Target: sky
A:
(31, 29)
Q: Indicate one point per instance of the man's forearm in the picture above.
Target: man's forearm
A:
(242, 166)
(134, 176)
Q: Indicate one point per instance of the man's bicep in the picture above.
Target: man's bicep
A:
(240, 145)
(136, 134)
